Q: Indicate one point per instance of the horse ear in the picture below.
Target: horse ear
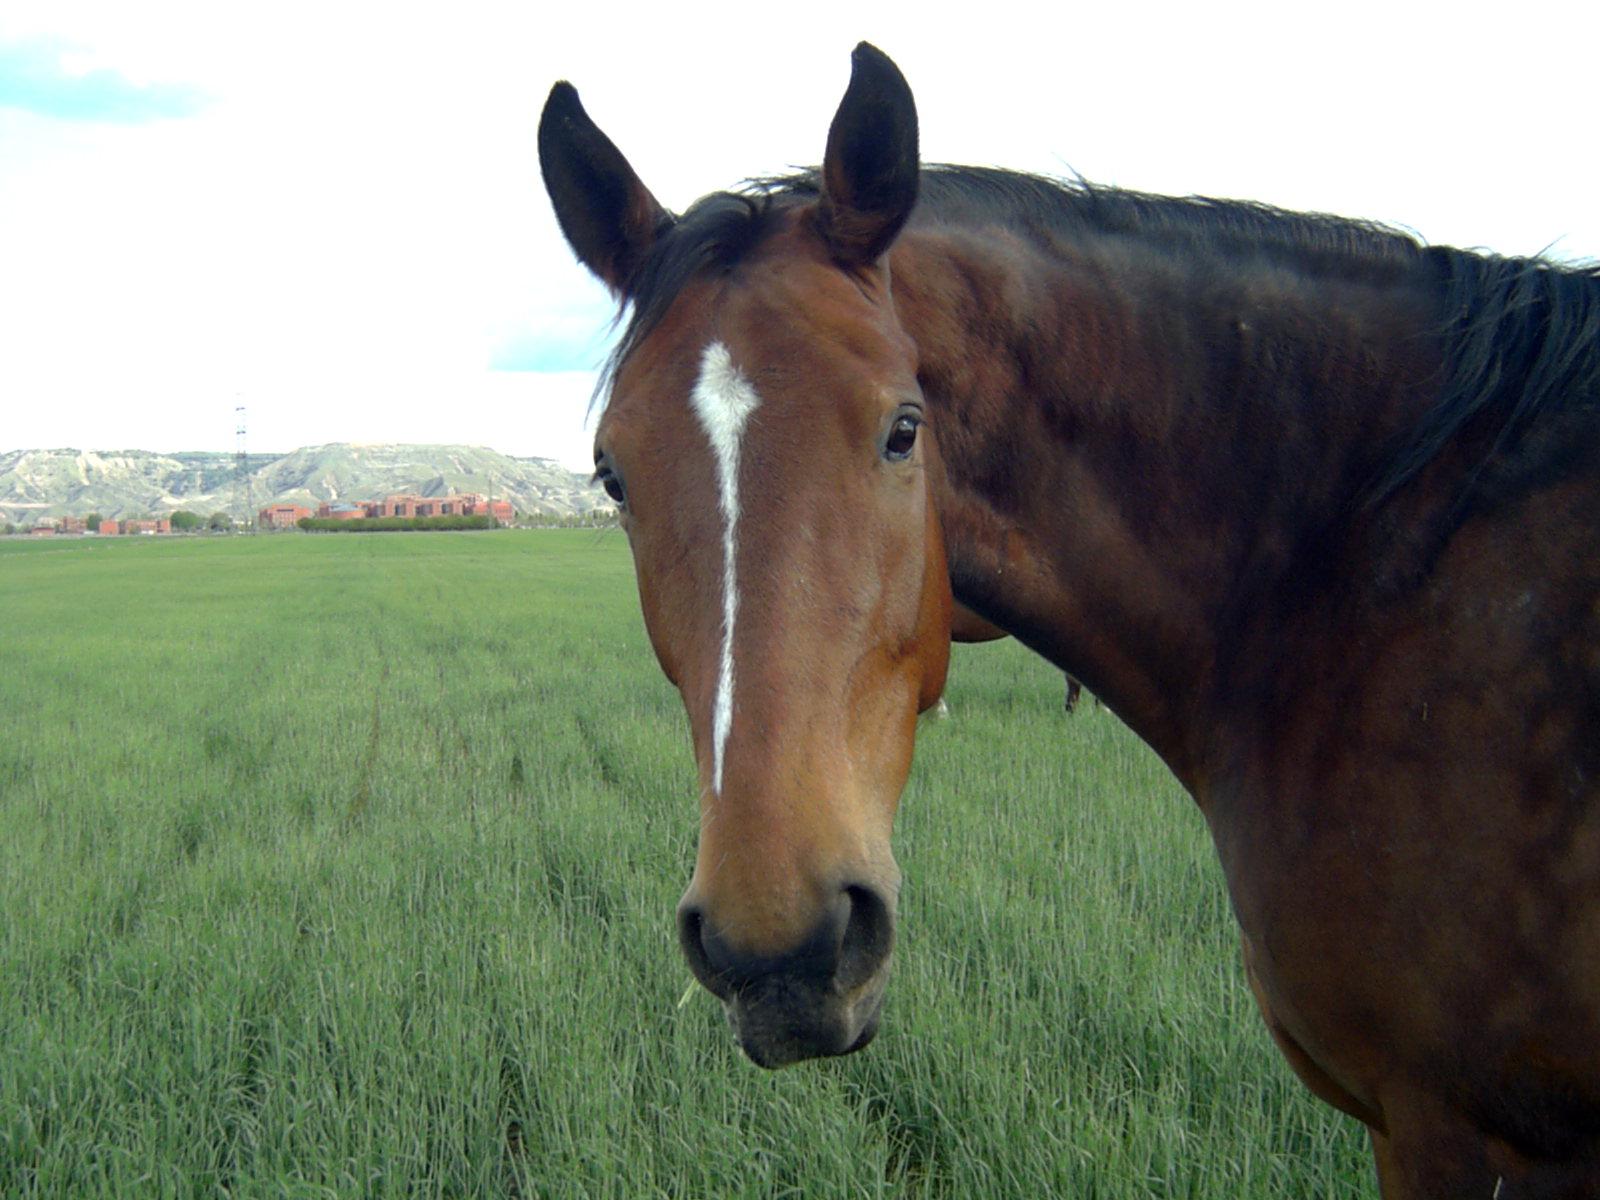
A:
(610, 218)
(869, 173)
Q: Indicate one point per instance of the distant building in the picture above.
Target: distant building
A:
(341, 511)
(71, 525)
(158, 525)
(280, 516)
(500, 510)
(401, 504)
(109, 528)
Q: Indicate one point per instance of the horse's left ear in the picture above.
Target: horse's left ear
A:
(869, 173)
(610, 218)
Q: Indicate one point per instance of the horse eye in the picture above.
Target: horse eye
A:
(902, 438)
(607, 479)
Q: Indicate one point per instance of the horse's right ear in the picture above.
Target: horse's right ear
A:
(610, 218)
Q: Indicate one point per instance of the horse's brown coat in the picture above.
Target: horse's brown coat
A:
(1145, 454)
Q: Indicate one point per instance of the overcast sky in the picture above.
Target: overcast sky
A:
(331, 213)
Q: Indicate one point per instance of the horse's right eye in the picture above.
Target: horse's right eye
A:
(608, 479)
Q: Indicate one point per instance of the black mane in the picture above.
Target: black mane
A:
(1518, 334)
(1521, 335)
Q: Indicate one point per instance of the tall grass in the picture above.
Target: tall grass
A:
(345, 867)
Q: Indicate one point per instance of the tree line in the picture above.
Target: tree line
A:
(387, 524)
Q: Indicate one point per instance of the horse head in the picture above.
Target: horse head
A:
(765, 442)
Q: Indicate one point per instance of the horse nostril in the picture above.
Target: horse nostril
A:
(868, 938)
(691, 937)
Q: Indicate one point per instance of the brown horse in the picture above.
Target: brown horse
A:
(1311, 506)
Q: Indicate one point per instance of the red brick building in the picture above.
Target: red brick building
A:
(280, 516)
(476, 504)
(463, 504)
(110, 528)
(401, 504)
(339, 511)
(159, 525)
(408, 505)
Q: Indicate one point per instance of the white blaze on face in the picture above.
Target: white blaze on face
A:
(723, 400)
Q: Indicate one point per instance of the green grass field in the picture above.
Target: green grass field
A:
(345, 866)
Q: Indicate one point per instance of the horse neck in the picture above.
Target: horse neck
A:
(1142, 453)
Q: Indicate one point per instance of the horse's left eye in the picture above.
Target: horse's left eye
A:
(902, 438)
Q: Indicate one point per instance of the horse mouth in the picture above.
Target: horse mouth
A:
(780, 1030)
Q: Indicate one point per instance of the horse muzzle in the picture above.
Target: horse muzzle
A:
(820, 998)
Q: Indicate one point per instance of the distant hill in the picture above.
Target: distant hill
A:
(127, 483)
